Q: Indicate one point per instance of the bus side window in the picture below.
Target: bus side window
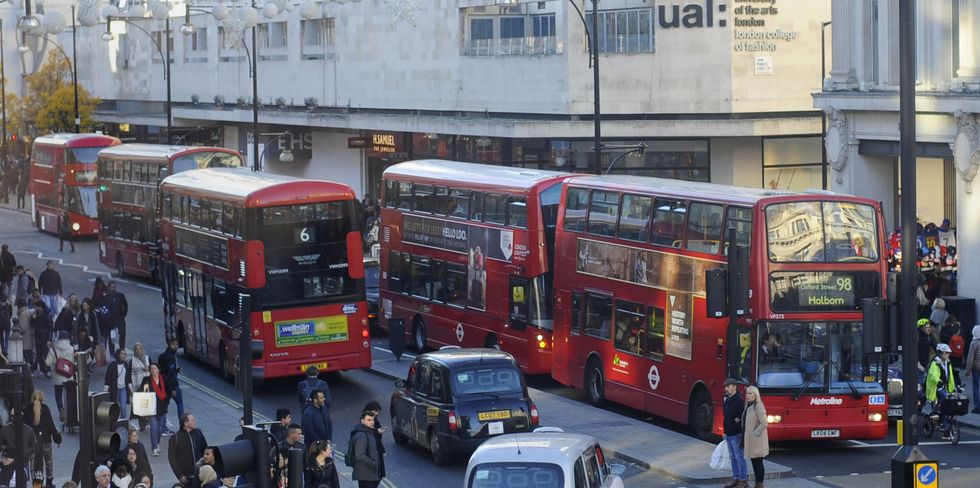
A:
(459, 203)
(455, 284)
(517, 212)
(422, 201)
(576, 206)
(476, 206)
(395, 272)
(442, 204)
(630, 327)
(520, 311)
(655, 333)
(704, 228)
(603, 211)
(576, 321)
(669, 217)
(420, 285)
(740, 219)
(598, 316)
(495, 209)
(437, 280)
(634, 218)
(404, 196)
(391, 193)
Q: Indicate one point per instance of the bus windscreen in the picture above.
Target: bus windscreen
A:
(818, 232)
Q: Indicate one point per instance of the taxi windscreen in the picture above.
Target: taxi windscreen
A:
(517, 475)
(487, 380)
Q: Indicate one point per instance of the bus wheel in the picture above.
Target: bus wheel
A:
(492, 342)
(119, 265)
(595, 383)
(419, 335)
(701, 415)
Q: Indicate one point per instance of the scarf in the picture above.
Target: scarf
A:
(159, 388)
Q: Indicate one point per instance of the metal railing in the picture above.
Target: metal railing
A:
(513, 46)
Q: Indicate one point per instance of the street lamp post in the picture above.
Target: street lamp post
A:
(108, 36)
(593, 44)
(3, 95)
(255, 103)
(74, 69)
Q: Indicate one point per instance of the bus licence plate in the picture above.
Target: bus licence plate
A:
(494, 415)
(825, 433)
(320, 366)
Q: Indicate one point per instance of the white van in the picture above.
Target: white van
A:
(545, 458)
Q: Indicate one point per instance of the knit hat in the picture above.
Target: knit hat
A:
(922, 322)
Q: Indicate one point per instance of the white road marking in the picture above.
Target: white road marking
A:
(148, 287)
(61, 262)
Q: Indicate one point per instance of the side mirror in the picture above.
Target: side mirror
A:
(399, 383)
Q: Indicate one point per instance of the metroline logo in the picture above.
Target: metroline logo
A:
(826, 401)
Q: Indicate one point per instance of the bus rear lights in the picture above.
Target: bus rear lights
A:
(875, 417)
(364, 334)
(364, 322)
(366, 344)
(542, 344)
(774, 419)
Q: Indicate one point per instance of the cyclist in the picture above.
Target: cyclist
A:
(940, 382)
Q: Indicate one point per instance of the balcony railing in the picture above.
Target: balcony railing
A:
(513, 46)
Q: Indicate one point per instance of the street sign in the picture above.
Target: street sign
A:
(926, 474)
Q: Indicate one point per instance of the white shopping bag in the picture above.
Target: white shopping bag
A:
(144, 404)
(721, 459)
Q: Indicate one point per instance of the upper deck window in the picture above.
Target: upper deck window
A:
(668, 222)
(740, 219)
(603, 211)
(517, 212)
(821, 232)
(704, 227)
(576, 206)
(495, 209)
(459, 205)
(634, 218)
(423, 199)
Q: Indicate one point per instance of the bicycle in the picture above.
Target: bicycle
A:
(953, 405)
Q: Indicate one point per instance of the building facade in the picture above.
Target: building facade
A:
(719, 90)
(860, 97)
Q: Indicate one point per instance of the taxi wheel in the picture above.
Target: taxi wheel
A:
(419, 335)
(595, 383)
(400, 438)
(439, 456)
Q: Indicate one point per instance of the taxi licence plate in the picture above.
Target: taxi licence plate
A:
(320, 366)
(825, 433)
(494, 415)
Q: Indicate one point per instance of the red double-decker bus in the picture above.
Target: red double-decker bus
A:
(129, 176)
(63, 179)
(291, 245)
(466, 256)
(630, 316)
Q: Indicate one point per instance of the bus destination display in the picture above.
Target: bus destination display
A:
(806, 291)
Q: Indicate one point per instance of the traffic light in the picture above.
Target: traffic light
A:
(255, 452)
(105, 439)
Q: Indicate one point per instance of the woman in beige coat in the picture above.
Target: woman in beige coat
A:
(756, 435)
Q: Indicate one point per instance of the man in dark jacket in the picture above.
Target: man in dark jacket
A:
(8, 436)
(118, 309)
(7, 265)
(186, 447)
(367, 456)
(316, 419)
(22, 283)
(927, 346)
(311, 383)
(50, 284)
(118, 378)
(278, 429)
(168, 367)
(733, 434)
(64, 232)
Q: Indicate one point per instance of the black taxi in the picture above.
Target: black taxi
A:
(454, 399)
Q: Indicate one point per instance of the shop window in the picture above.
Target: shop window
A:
(625, 31)
(598, 316)
(704, 225)
(576, 208)
(668, 222)
(634, 218)
(603, 210)
(792, 163)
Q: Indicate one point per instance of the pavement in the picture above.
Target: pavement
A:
(667, 453)
(217, 416)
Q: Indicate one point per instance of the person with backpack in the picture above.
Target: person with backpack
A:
(972, 367)
(320, 467)
(958, 346)
(363, 454)
(940, 382)
(307, 386)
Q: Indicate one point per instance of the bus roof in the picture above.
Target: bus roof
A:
(251, 189)
(157, 151)
(482, 175)
(687, 189)
(71, 139)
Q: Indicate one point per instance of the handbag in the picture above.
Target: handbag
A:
(100, 355)
(144, 404)
(65, 368)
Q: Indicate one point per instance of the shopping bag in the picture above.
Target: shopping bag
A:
(721, 459)
(100, 355)
(59, 303)
(65, 367)
(144, 404)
